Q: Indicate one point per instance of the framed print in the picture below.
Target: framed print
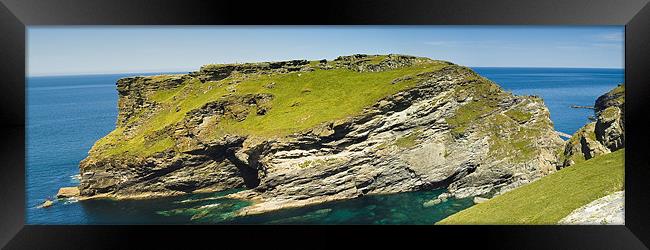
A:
(518, 123)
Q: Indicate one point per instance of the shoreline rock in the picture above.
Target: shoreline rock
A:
(47, 203)
(68, 192)
(582, 107)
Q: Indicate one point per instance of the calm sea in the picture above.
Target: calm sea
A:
(67, 114)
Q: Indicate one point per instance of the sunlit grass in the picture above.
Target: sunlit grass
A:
(548, 200)
(301, 100)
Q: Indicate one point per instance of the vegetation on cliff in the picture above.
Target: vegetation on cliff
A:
(551, 198)
(303, 132)
(299, 100)
(595, 154)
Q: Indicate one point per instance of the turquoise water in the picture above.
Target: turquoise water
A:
(402, 208)
(67, 114)
(213, 208)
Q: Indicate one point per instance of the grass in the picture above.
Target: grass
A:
(551, 198)
(377, 59)
(467, 114)
(301, 100)
(408, 141)
(610, 112)
(619, 89)
(510, 141)
(333, 94)
(518, 115)
(318, 162)
(484, 99)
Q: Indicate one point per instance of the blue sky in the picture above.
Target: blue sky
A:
(65, 50)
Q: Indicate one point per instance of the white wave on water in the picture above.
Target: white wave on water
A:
(75, 178)
(209, 206)
(197, 200)
(70, 201)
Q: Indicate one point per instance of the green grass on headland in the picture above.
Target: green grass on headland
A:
(409, 140)
(301, 100)
(551, 198)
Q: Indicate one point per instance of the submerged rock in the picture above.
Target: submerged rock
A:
(433, 202)
(444, 126)
(47, 203)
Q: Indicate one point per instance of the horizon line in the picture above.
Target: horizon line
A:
(180, 70)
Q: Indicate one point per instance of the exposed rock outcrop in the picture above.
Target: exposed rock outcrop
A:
(610, 127)
(608, 210)
(606, 134)
(216, 72)
(613, 98)
(133, 91)
(448, 127)
(68, 192)
(478, 200)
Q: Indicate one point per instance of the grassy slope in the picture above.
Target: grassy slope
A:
(551, 198)
(301, 101)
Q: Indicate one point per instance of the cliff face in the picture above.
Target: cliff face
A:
(303, 132)
(605, 135)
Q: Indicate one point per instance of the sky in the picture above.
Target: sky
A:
(69, 50)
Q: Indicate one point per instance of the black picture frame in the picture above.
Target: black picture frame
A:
(15, 15)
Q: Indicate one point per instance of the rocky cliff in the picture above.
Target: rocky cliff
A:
(302, 132)
(605, 135)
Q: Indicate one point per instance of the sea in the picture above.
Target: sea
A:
(67, 114)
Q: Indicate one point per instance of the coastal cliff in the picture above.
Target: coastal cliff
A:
(605, 135)
(587, 189)
(302, 132)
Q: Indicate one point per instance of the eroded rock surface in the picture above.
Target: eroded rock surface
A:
(608, 210)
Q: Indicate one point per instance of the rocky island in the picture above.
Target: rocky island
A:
(301, 132)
